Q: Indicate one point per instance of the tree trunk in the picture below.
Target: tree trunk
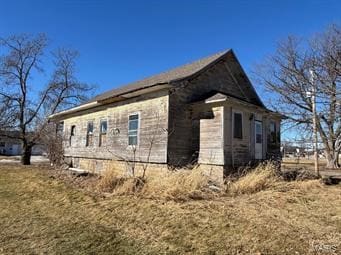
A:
(26, 154)
(332, 159)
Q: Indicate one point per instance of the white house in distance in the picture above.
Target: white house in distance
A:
(13, 147)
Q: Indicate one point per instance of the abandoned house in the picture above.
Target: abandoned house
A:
(206, 112)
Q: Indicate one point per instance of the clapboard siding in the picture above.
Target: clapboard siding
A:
(216, 78)
(212, 138)
(153, 114)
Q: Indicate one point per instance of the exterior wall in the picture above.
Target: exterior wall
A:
(238, 151)
(216, 78)
(217, 144)
(121, 168)
(242, 151)
(153, 123)
(211, 138)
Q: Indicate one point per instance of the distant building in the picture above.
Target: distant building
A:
(11, 146)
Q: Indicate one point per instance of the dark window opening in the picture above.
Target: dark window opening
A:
(73, 130)
(273, 132)
(72, 133)
(238, 125)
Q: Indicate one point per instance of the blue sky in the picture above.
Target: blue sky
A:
(122, 41)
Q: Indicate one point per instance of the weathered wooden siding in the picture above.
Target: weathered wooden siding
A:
(153, 128)
(222, 148)
(238, 151)
(216, 78)
(211, 138)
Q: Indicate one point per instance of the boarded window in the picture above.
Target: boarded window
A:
(89, 134)
(133, 126)
(238, 125)
(273, 132)
(103, 132)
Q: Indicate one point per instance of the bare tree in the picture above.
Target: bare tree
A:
(25, 108)
(300, 68)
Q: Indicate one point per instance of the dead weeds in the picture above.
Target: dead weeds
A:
(42, 214)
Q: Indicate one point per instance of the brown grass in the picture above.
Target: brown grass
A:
(182, 185)
(110, 180)
(179, 185)
(44, 215)
(261, 178)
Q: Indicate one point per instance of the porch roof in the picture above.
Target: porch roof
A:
(220, 97)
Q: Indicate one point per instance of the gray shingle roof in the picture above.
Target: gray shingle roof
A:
(179, 73)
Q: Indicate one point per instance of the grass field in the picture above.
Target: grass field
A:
(43, 215)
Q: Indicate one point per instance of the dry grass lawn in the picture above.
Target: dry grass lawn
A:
(43, 215)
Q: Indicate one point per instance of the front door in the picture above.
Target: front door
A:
(258, 140)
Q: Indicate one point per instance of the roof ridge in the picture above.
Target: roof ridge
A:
(172, 74)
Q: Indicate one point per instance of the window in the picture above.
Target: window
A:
(237, 125)
(273, 132)
(133, 126)
(73, 130)
(103, 132)
(72, 133)
(60, 128)
(89, 134)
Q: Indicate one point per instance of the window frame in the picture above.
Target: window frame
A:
(89, 133)
(261, 130)
(73, 130)
(233, 124)
(72, 133)
(60, 130)
(100, 142)
(100, 126)
(137, 130)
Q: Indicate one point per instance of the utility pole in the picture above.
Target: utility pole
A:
(313, 102)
